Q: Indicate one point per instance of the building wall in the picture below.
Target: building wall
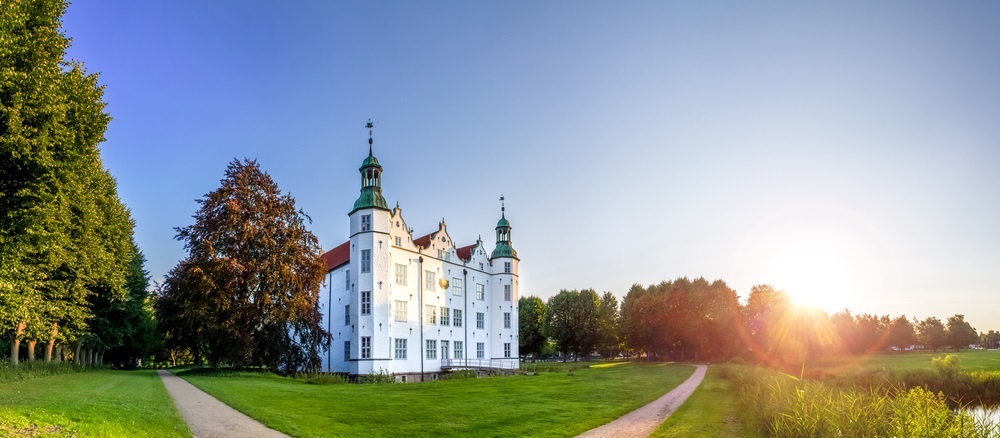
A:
(416, 295)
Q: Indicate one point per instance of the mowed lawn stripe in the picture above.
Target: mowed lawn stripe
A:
(97, 403)
(550, 403)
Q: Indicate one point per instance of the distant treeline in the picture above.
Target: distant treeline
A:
(698, 320)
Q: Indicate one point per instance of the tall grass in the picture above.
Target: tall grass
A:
(29, 370)
(782, 405)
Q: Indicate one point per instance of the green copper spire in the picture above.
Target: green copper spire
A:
(371, 180)
(503, 248)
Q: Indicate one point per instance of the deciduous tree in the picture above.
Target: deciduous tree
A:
(252, 274)
(531, 317)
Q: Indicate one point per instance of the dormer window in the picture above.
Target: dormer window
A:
(366, 222)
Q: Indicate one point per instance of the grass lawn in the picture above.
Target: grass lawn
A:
(553, 403)
(969, 360)
(93, 404)
(711, 411)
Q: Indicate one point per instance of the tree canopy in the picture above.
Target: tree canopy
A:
(247, 292)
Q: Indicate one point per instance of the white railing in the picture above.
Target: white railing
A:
(480, 363)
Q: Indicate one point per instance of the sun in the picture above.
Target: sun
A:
(816, 275)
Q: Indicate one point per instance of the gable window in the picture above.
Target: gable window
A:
(429, 280)
(445, 316)
(456, 286)
(366, 261)
(480, 292)
(366, 347)
(506, 267)
(347, 314)
(430, 314)
(366, 303)
(480, 320)
(400, 311)
(457, 320)
(432, 347)
(366, 222)
(400, 274)
(506, 292)
(480, 350)
(400, 348)
(399, 241)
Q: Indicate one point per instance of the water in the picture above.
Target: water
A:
(990, 413)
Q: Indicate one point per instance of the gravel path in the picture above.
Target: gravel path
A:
(208, 417)
(643, 421)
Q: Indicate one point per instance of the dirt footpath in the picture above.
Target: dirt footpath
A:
(643, 421)
(207, 417)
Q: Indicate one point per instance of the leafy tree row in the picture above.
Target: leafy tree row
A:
(699, 320)
(68, 264)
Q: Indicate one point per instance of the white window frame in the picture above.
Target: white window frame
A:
(456, 320)
(401, 308)
(506, 349)
(444, 349)
(456, 286)
(480, 292)
(429, 280)
(445, 316)
(506, 320)
(366, 261)
(480, 320)
(347, 314)
(366, 347)
(480, 350)
(430, 314)
(400, 274)
(347, 279)
(400, 348)
(459, 350)
(507, 292)
(399, 241)
(366, 302)
(366, 222)
(347, 351)
(506, 267)
(432, 347)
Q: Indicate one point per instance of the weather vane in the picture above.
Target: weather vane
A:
(501, 205)
(369, 125)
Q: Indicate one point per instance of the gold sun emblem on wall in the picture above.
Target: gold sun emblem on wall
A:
(443, 283)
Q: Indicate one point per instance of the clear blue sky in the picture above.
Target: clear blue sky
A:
(847, 152)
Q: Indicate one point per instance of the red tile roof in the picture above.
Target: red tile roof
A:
(423, 242)
(465, 252)
(338, 256)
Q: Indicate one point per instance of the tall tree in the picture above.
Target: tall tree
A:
(253, 262)
(608, 344)
(559, 325)
(65, 233)
(531, 317)
(931, 333)
(901, 333)
(961, 334)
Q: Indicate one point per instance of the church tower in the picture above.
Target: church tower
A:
(369, 270)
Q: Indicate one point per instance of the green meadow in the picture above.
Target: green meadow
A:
(100, 403)
(560, 400)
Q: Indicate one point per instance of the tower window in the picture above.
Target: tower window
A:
(366, 261)
(366, 222)
(366, 347)
(506, 267)
(366, 303)
(506, 292)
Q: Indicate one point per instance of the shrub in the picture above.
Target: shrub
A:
(324, 378)
(381, 377)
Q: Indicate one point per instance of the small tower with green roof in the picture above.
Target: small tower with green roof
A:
(505, 292)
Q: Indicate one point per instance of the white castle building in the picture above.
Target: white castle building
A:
(415, 307)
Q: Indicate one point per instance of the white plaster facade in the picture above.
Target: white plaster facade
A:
(408, 306)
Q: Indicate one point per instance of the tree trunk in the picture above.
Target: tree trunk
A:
(93, 357)
(76, 354)
(31, 351)
(173, 358)
(100, 357)
(52, 342)
(15, 345)
(59, 354)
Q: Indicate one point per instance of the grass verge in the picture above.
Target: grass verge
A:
(712, 411)
(99, 403)
(549, 403)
